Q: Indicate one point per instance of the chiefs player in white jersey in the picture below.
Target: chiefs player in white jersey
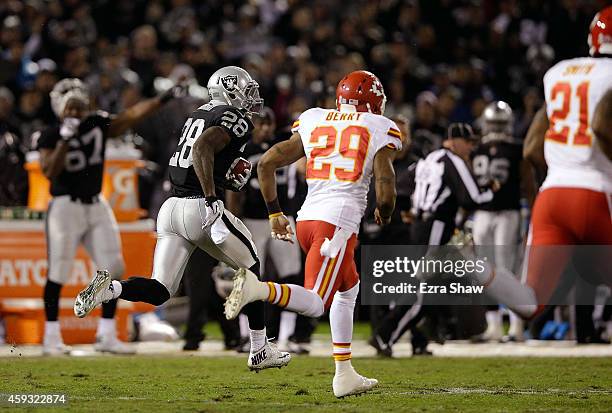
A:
(343, 148)
(572, 137)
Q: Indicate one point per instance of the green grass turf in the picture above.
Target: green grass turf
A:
(186, 383)
(361, 331)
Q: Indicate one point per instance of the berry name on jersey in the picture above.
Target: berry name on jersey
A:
(340, 149)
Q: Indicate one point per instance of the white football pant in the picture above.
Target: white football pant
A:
(70, 223)
(284, 255)
(179, 232)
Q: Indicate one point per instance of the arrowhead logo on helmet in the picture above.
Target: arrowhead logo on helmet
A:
(377, 88)
(600, 33)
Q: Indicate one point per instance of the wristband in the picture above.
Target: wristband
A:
(274, 207)
(274, 215)
(210, 200)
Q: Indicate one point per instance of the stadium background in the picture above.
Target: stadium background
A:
(439, 61)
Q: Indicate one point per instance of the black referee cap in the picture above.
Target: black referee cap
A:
(461, 130)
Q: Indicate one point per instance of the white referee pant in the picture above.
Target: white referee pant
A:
(498, 229)
(70, 223)
(284, 255)
(179, 232)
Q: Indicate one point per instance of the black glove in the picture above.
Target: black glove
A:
(175, 91)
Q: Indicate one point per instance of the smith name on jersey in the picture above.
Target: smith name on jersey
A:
(573, 88)
(184, 180)
(84, 165)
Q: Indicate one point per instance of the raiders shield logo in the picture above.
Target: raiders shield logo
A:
(229, 82)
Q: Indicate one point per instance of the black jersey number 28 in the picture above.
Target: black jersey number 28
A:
(191, 131)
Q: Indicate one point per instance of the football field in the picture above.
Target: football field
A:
(152, 383)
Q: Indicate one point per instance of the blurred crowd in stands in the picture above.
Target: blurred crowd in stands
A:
(439, 60)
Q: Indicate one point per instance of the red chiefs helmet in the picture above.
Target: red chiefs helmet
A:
(363, 90)
(600, 36)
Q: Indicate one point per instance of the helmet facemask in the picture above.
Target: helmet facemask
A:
(249, 100)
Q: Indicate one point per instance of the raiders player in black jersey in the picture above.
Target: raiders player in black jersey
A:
(72, 158)
(250, 205)
(202, 167)
(497, 223)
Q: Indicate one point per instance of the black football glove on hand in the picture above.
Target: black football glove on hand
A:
(176, 91)
(236, 181)
(69, 128)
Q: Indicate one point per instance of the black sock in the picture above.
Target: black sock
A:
(256, 311)
(51, 298)
(145, 290)
(109, 309)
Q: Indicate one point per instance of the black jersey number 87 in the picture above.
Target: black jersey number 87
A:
(191, 131)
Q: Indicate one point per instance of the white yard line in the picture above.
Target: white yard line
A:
(504, 391)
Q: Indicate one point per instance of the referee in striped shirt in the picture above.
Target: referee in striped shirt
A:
(442, 183)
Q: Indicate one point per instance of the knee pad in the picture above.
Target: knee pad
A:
(316, 308)
(59, 270)
(348, 297)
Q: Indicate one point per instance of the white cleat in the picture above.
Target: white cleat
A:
(350, 382)
(54, 346)
(247, 288)
(98, 291)
(109, 343)
(492, 334)
(267, 357)
(517, 329)
(291, 347)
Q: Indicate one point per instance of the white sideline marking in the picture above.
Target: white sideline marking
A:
(322, 348)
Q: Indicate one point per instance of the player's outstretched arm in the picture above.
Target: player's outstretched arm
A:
(384, 176)
(602, 124)
(533, 148)
(209, 143)
(127, 119)
(282, 154)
